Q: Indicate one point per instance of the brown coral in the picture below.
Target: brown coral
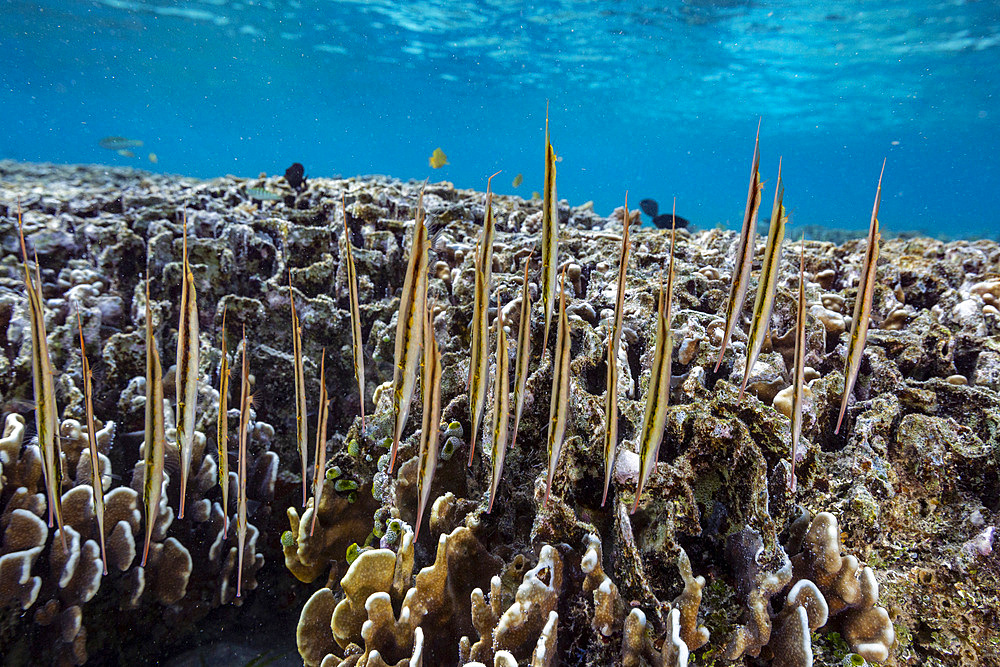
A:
(74, 575)
(849, 592)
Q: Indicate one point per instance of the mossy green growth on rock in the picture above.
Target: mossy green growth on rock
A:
(341, 485)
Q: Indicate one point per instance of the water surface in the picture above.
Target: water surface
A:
(661, 99)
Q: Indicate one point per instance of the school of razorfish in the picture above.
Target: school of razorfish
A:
(417, 353)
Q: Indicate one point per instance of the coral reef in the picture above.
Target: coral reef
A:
(884, 551)
(191, 566)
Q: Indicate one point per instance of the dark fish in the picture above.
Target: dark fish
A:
(295, 176)
(652, 209)
(669, 221)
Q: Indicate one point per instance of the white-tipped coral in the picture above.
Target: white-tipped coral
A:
(763, 577)
(537, 595)
(805, 610)
(72, 577)
(688, 602)
(637, 645)
(608, 606)
(849, 591)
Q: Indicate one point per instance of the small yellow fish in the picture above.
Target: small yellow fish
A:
(744, 252)
(241, 496)
(559, 404)
(862, 306)
(222, 435)
(154, 447)
(438, 159)
(517, 181)
(319, 474)
(186, 371)
(767, 282)
(95, 462)
(654, 418)
(153, 158)
(430, 382)
(43, 383)
(614, 340)
(301, 429)
(501, 407)
(550, 234)
(409, 329)
(124, 152)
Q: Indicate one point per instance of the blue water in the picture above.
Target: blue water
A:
(659, 99)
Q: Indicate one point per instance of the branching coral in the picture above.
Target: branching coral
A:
(688, 602)
(762, 577)
(828, 590)
(439, 602)
(608, 606)
(189, 560)
(341, 520)
(638, 642)
(850, 593)
(435, 601)
(805, 610)
(537, 596)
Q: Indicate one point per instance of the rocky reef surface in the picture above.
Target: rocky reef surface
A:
(884, 553)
